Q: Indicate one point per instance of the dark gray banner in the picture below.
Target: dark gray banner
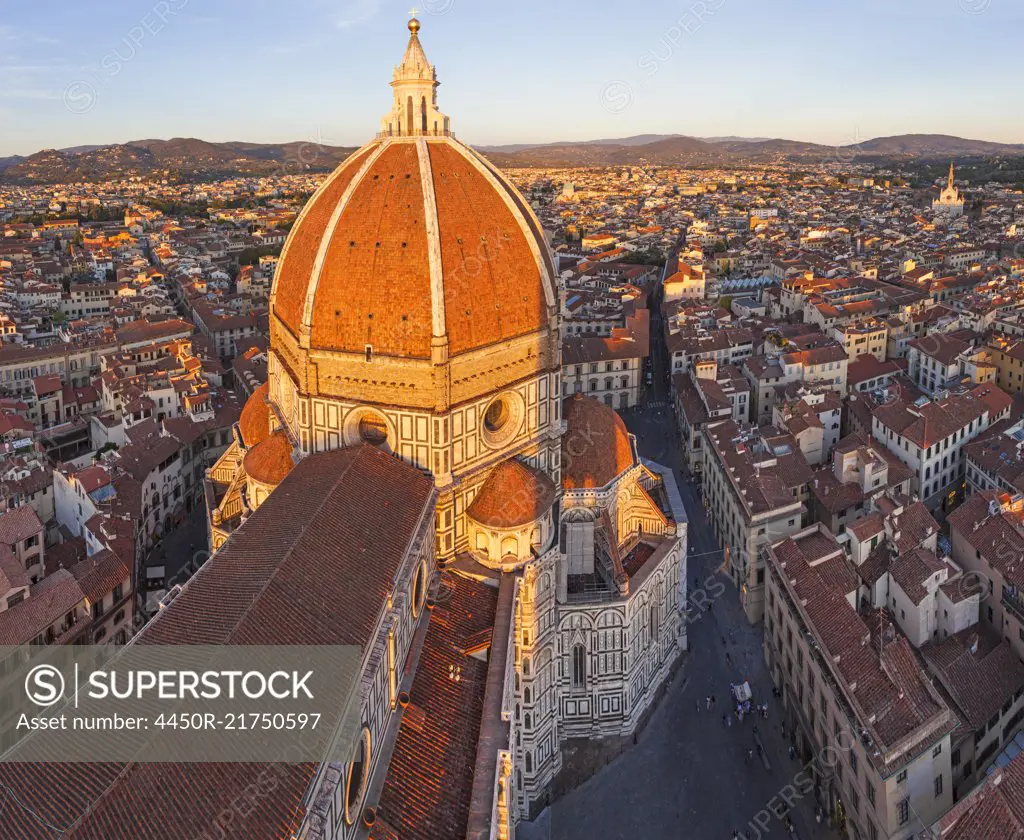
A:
(150, 703)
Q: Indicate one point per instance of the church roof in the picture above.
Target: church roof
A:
(411, 240)
(514, 494)
(595, 447)
(254, 423)
(414, 239)
(271, 460)
(314, 565)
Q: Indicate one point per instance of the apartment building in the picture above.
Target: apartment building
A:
(705, 395)
(854, 695)
(609, 367)
(724, 346)
(863, 337)
(987, 538)
(936, 361)
(755, 489)
(929, 437)
(812, 415)
(861, 471)
(1007, 356)
(995, 460)
(21, 545)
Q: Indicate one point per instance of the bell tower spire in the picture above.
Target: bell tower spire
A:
(414, 112)
(950, 184)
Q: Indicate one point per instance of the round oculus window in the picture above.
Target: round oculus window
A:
(373, 429)
(502, 419)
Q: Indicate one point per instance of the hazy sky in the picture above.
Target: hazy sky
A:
(830, 71)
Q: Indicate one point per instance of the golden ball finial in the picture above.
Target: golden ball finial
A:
(414, 26)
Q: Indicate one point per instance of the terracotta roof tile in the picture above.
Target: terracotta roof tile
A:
(296, 265)
(270, 461)
(595, 447)
(427, 791)
(254, 424)
(514, 494)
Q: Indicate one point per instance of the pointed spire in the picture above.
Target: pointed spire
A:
(414, 111)
(950, 184)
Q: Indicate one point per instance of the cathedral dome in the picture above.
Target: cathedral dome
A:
(414, 241)
(269, 462)
(254, 423)
(513, 495)
(596, 447)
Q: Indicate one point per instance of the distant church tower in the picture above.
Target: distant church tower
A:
(949, 201)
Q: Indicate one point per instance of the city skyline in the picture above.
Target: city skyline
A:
(131, 71)
(676, 486)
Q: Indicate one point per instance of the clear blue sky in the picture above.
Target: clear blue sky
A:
(830, 71)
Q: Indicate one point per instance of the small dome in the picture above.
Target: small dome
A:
(595, 447)
(254, 424)
(514, 494)
(270, 462)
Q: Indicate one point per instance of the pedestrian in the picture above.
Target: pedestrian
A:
(713, 701)
(728, 659)
(707, 702)
(698, 705)
(750, 754)
(725, 719)
(728, 721)
(783, 729)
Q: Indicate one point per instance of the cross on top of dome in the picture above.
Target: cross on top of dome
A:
(414, 112)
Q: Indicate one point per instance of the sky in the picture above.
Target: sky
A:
(827, 71)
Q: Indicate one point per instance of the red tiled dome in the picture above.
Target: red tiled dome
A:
(408, 239)
(254, 424)
(270, 461)
(596, 446)
(514, 494)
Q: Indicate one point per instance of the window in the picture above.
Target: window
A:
(579, 666)
(419, 589)
(355, 783)
(903, 811)
(938, 786)
(901, 777)
(871, 794)
(937, 751)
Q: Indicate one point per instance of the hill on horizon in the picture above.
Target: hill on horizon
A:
(190, 158)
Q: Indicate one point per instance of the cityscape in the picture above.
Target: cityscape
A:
(661, 482)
